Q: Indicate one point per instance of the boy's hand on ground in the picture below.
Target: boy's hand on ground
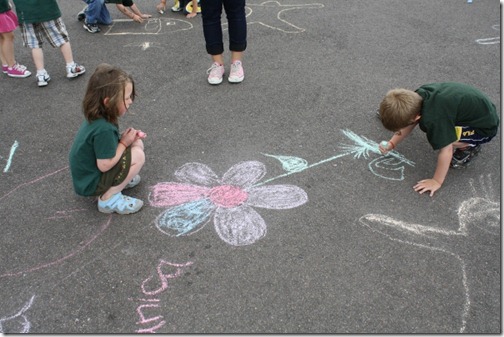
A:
(427, 185)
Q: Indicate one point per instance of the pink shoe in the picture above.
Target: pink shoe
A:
(215, 73)
(18, 70)
(4, 68)
(236, 75)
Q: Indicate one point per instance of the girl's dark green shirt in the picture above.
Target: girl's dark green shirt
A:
(95, 140)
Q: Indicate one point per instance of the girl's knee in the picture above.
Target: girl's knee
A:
(137, 155)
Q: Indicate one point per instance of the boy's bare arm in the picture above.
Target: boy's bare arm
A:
(398, 137)
(131, 14)
(443, 165)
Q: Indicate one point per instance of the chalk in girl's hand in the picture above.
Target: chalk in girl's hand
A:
(384, 144)
(161, 11)
(141, 134)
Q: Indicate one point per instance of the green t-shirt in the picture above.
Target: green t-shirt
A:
(35, 11)
(449, 104)
(4, 6)
(95, 140)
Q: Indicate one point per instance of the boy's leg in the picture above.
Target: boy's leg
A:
(38, 58)
(93, 10)
(467, 147)
(104, 17)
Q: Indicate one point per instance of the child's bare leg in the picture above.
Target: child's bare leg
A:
(459, 145)
(194, 11)
(66, 50)
(137, 162)
(7, 49)
(38, 58)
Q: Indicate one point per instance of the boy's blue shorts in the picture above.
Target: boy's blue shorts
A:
(467, 134)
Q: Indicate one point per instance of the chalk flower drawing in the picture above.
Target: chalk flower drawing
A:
(231, 200)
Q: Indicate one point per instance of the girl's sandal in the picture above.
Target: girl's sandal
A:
(120, 204)
(135, 181)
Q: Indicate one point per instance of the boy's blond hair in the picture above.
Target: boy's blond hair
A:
(399, 108)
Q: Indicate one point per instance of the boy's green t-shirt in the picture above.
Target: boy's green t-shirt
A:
(449, 104)
(95, 140)
(35, 11)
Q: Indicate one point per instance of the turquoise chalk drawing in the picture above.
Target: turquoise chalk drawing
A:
(201, 195)
(477, 215)
(390, 167)
(11, 156)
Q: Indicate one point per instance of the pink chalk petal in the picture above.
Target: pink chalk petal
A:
(277, 196)
(171, 194)
(239, 226)
(244, 174)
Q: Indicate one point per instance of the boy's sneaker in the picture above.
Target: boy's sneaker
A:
(215, 73)
(462, 157)
(177, 7)
(18, 70)
(43, 79)
(82, 14)
(91, 27)
(75, 70)
(236, 75)
(120, 204)
(4, 68)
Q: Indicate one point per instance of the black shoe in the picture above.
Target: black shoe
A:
(462, 157)
(91, 27)
(82, 14)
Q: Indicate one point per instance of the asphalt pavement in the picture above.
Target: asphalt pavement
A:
(267, 206)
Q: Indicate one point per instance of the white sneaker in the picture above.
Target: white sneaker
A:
(236, 75)
(75, 71)
(215, 73)
(42, 80)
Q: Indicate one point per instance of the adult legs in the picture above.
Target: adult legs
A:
(211, 11)
(237, 27)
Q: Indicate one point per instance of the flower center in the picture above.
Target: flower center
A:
(228, 196)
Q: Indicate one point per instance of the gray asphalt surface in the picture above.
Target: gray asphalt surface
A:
(363, 253)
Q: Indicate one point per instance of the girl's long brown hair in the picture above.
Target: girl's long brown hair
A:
(109, 82)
